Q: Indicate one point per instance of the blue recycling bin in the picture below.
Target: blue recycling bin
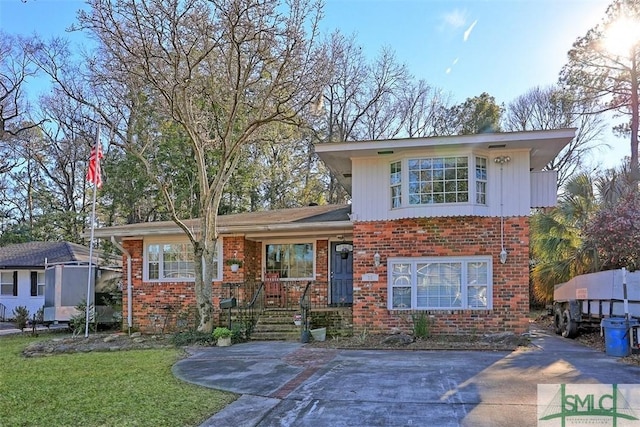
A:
(617, 331)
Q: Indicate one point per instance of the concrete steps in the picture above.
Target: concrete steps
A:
(276, 325)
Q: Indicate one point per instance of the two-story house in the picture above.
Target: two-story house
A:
(436, 225)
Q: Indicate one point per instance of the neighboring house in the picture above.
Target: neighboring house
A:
(22, 269)
(436, 225)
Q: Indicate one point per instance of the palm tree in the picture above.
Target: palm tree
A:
(558, 247)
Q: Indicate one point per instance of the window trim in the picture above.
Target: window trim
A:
(464, 260)
(314, 248)
(41, 284)
(176, 240)
(403, 185)
(12, 275)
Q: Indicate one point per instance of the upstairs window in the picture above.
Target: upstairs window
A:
(481, 180)
(396, 184)
(438, 180)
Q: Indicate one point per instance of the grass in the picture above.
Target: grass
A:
(128, 388)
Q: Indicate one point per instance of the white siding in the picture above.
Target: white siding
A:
(372, 198)
(24, 297)
(544, 189)
(511, 187)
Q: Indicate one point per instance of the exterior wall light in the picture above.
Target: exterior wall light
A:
(503, 256)
(376, 259)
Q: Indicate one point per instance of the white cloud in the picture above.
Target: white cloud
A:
(455, 19)
(448, 70)
(468, 32)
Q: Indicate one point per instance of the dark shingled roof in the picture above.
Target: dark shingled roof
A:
(33, 254)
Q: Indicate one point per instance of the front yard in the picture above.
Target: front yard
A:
(124, 388)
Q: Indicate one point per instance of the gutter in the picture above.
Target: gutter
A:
(313, 227)
(129, 289)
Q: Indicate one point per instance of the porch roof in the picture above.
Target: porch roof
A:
(308, 220)
(543, 146)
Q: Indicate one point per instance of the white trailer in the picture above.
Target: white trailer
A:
(66, 287)
(585, 300)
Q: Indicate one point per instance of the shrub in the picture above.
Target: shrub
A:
(78, 322)
(21, 316)
(191, 337)
(421, 326)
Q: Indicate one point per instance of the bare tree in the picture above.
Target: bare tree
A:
(602, 72)
(423, 108)
(218, 71)
(554, 108)
(16, 68)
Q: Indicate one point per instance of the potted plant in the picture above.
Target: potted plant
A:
(222, 336)
(234, 263)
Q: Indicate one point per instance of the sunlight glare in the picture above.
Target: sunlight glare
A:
(621, 36)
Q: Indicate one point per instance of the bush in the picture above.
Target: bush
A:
(421, 326)
(78, 322)
(191, 337)
(21, 316)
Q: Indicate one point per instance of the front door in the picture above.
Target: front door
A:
(341, 273)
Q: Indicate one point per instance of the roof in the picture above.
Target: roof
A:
(543, 147)
(302, 220)
(34, 254)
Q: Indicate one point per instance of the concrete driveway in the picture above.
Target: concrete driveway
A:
(289, 384)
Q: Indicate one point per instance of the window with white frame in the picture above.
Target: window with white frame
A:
(41, 283)
(174, 261)
(440, 283)
(290, 260)
(437, 180)
(396, 184)
(6, 283)
(481, 180)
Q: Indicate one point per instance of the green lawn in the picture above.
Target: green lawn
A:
(128, 388)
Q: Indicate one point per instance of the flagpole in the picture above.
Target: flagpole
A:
(93, 221)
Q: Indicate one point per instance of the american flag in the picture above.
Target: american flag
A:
(93, 173)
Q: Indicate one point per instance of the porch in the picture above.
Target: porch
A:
(272, 306)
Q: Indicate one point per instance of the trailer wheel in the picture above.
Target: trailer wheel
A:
(558, 321)
(570, 326)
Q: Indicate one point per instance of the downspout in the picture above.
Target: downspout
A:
(129, 290)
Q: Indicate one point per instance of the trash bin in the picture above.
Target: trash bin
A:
(616, 335)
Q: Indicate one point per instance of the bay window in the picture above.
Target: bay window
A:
(440, 283)
(437, 180)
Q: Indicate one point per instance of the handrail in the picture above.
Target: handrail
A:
(255, 296)
(305, 297)
(305, 306)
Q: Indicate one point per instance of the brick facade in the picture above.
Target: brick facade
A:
(164, 306)
(160, 306)
(450, 236)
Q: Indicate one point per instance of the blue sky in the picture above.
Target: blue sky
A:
(502, 47)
